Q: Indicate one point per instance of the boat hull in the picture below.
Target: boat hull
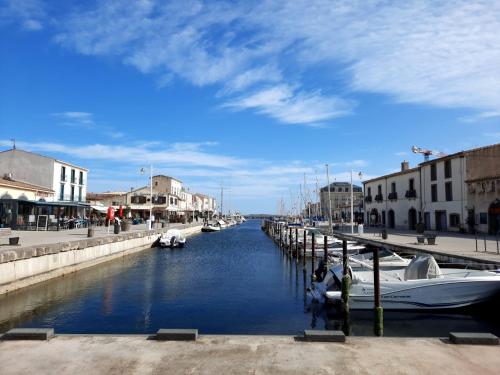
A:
(431, 296)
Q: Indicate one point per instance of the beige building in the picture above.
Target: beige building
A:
(340, 196)
(458, 192)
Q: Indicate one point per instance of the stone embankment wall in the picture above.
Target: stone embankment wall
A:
(30, 265)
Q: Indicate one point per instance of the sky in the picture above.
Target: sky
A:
(247, 95)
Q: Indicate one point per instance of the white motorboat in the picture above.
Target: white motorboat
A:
(388, 260)
(172, 238)
(422, 285)
(211, 228)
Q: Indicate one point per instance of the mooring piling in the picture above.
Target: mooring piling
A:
(325, 254)
(296, 243)
(346, 280)
(305, 249)
(379, 313)
(312, 256)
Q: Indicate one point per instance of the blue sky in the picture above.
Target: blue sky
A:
(248, 95)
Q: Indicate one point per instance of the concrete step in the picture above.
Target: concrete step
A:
(324, 336)
(177, 334)
(473, 338)
(29, 334)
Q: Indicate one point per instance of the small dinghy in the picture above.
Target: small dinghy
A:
(172, 238)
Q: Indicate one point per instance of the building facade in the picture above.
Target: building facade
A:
(340, 197)
(393, 200)
(62, 189)
(458, 192)
(68, 181)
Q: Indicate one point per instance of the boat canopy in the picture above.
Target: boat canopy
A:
(423, 267)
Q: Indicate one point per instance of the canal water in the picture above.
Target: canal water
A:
(232, 282)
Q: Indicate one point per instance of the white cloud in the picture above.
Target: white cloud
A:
(437, 53)
(401, 153)
(29, 14)
(83, 119)
(287, 106)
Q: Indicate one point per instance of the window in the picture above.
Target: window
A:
(393, 187)
(448, 191)
(73, 176)
(156, 183)
(72, 198)
(433, 172)
(63, 173)
(346, 190)
(369, 191)
(447, 169)
(411, 184)
(454, 220)
(434, 193)
(379, 190)
(79, 193)
(81, 178)
(61, 193)
(171, 200)
(483, 218)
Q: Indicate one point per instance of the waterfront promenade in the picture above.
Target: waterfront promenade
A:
(245, 355)
(37, 238)
(448, 244)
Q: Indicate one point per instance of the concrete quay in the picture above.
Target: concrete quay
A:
(449, 247)
(212, 354)
(53, 254)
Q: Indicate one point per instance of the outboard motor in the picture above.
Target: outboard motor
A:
(172, 241)
(320, 272)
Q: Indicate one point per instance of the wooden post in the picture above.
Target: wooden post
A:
(346, 280)
(325, 254)
(305, 249)
(281, 239)
(379, 314)
(290, 240)
(296, 242)
(312, 256)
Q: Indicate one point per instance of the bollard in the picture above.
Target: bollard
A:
(379, 312)
(475, 236)
(312, 257)
(484, 242)
(90, 232)
(290, 241)
(296, 243)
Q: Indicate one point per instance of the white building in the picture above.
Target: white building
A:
(68, 181)
(458, 192)
(393, 200)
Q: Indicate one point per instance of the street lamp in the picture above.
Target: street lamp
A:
(329, 199)
(360, 175)
(151, 194)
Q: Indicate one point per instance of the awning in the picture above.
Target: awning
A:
(102, 209)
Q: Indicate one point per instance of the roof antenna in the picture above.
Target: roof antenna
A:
(13, 143)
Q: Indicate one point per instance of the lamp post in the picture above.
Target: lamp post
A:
(352, 201)
(329, 199)
(150, 193)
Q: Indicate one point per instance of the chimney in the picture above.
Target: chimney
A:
(405, 165)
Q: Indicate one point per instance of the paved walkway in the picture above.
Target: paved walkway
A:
(275, 355)
(35, 238)
(447, 243)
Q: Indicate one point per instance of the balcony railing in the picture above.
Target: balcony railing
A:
(379, 198)
(368, 199)
(411, 193)
(392, 196)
